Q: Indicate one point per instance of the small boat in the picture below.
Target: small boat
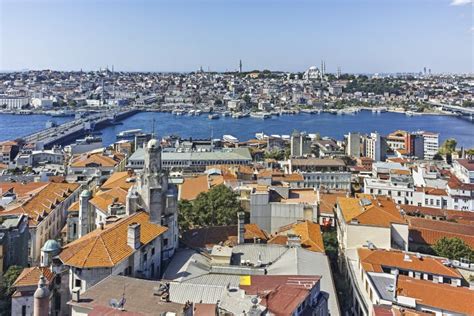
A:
(197, 112)
(230, 139)
(226, 113)
(191, 113)
(213, 116)
(260, 115)
(129, 134)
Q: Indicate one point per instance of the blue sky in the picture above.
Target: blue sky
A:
(178, 35)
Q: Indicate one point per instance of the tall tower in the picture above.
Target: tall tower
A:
(159, 198)
(41, 298)
(240, 66)
(84, 213)
(338, 72)
(153, 182)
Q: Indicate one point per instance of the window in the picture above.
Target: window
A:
(23, 310)
(153, 251)
(78, 283)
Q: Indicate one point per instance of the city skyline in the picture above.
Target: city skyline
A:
(182, 36)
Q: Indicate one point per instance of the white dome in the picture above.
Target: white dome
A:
(153, 143)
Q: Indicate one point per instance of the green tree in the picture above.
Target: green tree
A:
(217, 207)
(6, 288)
(448, 147)
(453, 248)
(330, 244)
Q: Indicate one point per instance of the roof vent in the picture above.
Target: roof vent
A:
(406, 258)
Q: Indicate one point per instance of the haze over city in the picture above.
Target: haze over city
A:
(366, 36)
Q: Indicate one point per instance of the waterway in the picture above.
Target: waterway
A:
(15, 126)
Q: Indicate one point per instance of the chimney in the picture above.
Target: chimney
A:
(240, 227)
(41, 298)
(133, 235)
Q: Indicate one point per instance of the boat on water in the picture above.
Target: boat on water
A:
(226, 113)
(62, 113)
(191, 113)
(129, 134)
(260, 115)
(24, 112)
(197, 112)
(213, 116)
(411, 113)
(237, 115)
(230, 139)
(84, 145)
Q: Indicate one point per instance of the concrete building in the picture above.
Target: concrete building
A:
(322, 173)
(14, 237)
(430, 144)
(353, 145)
(274, 207)
(14, 103)
(132, 246)
(300, 144)
(46, 206)
(195, 160)
(374, 147)
(32, 158)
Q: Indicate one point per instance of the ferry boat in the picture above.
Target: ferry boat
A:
(62, 113)
(260, 115)
(230, 139)
(24, 112)
(213, 116)
(84, 145)
(129, 134)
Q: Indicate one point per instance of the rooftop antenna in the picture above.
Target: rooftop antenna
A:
(153, 128)
(212, 137)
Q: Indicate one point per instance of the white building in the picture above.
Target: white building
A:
(14, 103)
(353, 145)
(373, 146)
(430, 144)
(42, 103)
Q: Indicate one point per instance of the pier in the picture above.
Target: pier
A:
(70, 131)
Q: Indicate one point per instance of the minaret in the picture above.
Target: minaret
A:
(84, 216)
(41, 298)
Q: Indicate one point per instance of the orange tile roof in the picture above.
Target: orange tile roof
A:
(122, 179)
(74, 207)
(207, 237)
(103, 199)
(432, 191)
(426, 231)
(30, 276)
(442, 296)
(327, 201)
(20, 189)
(43, 200)
(309, 232)
(381, 212)
(107, 247)
(99, 158)
(374, 260)
(307, 196)
(191, 187)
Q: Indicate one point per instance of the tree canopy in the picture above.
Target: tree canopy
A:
(6, 288)
(453, 248)
(448, 147)
(217, 207)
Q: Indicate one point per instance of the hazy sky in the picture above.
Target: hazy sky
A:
(178, 35)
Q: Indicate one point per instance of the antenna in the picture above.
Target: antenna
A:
(153, 128)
